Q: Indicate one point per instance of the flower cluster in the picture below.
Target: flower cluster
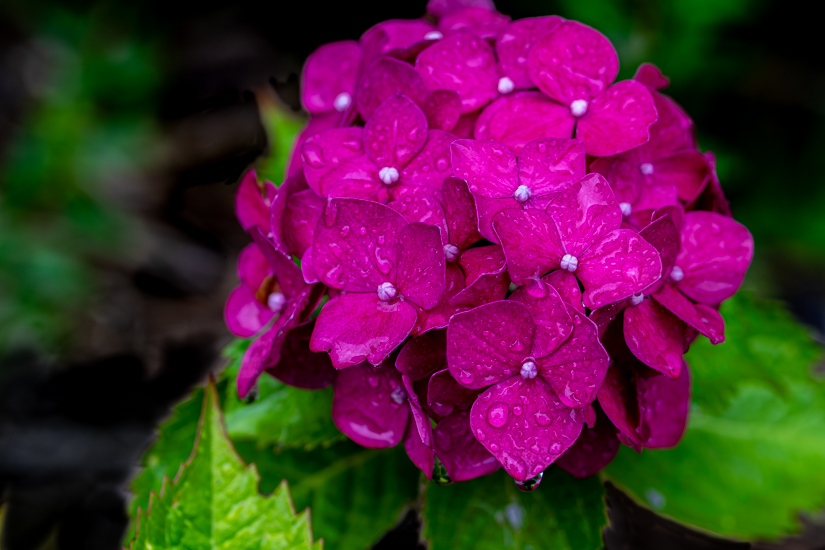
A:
(494, 252)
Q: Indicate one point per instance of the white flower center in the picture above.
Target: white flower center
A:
(676, 274)
(626, 208)
(569, 262)
(505, 85)
(342, 101)
(636, 299)
(398, 395)
(646, 168)
(578, 107)
(529, 370)
(388, 175)
(276, 301)
(451, 252)
(386, 292)
(523, 193)
(433, 35)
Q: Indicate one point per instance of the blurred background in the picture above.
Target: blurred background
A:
(125, 126)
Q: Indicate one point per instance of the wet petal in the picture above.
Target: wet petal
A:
(330, 71)
(280, 229)
(439, 316)
(488, 167)
(443, 109)
(364, 407)
(251, 202)
(655, 336)
(355, 244)
(432, 164)
(524, 425)
(664, 404)
(687, 170)
(308, 268)
(420, 455)
(486, 211)
(489, 343)
(315, 125)
(553, 321)
(530, 241)
(421, 264)
(460, 210)
(673, 131)
(567, 286)
(524, 116)
(288, 275)
(445, 395)
(573, 62)
(253, 267)
(464, 63)
(243, 314)
(299, 366)
(585, 213)
(462, 455)
(513, 46)
(703, 318)
(712, 198)
(440, 8)
(664, 237)
(385, 77)
(625, 179)
(577, 368)
(617, 119)
(423, 355)
(355, 327)
(397, 35)
(715, 255)
(618, 266)
(303, 209)
(551, 165)
(486, 276)
(482, 22)
(650, 75)
(424, 209)
(395, 132)
(619, 400)
(334, 155)
(593, 450)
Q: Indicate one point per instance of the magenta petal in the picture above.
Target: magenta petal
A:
(524, 116)
(618, 266)
(712, 198)
(445, 395)
(567, 286)
(422, 208)
(342, 240)
(421, 264)
(650, 75)
(440, 8)
(664, 404)
(253, 267)
(250, 206)
(299, 366)
(530, 241)
(585, 213)
(488, 167)
(439, 316)
(423, 355)
(299, 220)
(486, 276)
(374, 191)
(422, 456)
(398, 34)
(243, 314)
(442, 108)
(464, 63)
(617, 119)
(308, 268)
(573, 62)
(460, 210)
(487, 24)
(385, 77)
(673, 131)
(551, 165)
(553, 322)
(716, 252)
(333, 155)
(576, 369)
(355, 327)
(278, 211)
(593, 450)
(315, 125)
(703, 318)
(432, 164)
(619, 400)
(687, 170)
(462, 455)
(514, 44)
(664, 237)
(465, 126)
(524, 425)
(489, 343)
(329, 72)
(625, 179)
(655, 336)
(422, 422)
(286, 273)
(368, 405)
(395, 132)
(486, 211)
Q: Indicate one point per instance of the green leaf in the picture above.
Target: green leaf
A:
(214, 500)
(491, 513)
(752, 456)
(355, 494)
(281, 127)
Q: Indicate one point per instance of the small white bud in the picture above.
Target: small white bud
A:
(342, 102)
(388, 175)
(569, 262)
(676, 274)
(433, 35)
(386, 292)
(529, 370)
(505, 85)
(626, 208)
(398, 395)
(523, 193)
(646, 168)
(636, 299)
(579, 107)
(451, 252)
(276, 301)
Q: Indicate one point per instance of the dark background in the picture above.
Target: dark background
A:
(123, 127)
